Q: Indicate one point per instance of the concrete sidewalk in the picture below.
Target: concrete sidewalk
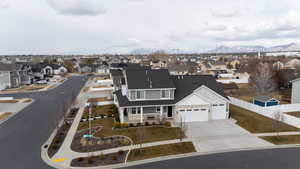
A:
(275, 134)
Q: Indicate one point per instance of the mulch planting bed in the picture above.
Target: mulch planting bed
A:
(107, 159)
(81, 144)
(58, 139)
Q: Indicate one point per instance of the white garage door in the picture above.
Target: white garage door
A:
(218, 112)
(193, 115)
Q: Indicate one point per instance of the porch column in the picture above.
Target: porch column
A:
(121, 115)
(161, 112)
(142, 116)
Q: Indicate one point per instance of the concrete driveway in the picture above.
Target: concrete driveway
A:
(222, 135)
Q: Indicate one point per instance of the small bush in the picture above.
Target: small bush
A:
(80, 159)
(90, 160)
(131, 125)
(167, 124)
(147, 123)
(114, 158)
(101, 156)
(117, 125)
(138, 124)
(124, 125)
(120, 152)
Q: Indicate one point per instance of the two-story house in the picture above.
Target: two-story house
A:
(150, 95)
(10, 75)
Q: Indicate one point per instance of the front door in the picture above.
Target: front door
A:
(125, 112)
(170, 111)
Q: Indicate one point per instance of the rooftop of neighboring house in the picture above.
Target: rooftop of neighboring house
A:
(9, 67)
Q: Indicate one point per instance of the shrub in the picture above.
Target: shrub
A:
(101, 156)
(167, 124)
(147, 123)
(90, 160)
(131, 125)
(124, 125)
(117, 125)
(138, 124)
(79, 159)
(114, 157)
(120, 152)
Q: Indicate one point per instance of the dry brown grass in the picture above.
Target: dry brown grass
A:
(5, 115)
(9, 101)
(256, 123)
(27, 101)
(100, 86)
(99, 99)
(279, 140)
(161, 150)
(295, 114)
(151, 134)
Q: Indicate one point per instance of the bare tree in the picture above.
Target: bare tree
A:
(141, 133)
(261, 79)
(278, 120)
(182, 128)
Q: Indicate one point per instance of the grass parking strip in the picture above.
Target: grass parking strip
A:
(161, 150)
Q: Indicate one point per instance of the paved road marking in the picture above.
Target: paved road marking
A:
(59, 160)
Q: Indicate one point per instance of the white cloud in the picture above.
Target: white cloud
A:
(223, 13)
(4, 4)
(77, 7)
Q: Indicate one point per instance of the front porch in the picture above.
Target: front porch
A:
(153, 114)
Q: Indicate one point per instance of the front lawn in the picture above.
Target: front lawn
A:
(161, 150)
(99, 111)
(150, 134)
(256, 123)
(295, 114)
(279, 140)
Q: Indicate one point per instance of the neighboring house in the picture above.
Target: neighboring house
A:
(41, 70)
(154, 95)
(158, 64)
(296, 91)
(278, 65)
(10, 76)
(292, 64)
(178, 68)
(265, 101)
(58, 69)
(85, 68)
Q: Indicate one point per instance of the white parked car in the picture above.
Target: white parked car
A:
(41, 82)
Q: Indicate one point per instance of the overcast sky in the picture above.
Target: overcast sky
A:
(120, 26)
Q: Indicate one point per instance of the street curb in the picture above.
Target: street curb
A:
(2, 122)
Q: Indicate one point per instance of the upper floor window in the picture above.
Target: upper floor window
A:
(165, 94)
(140, 94)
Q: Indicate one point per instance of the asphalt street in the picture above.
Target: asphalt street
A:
(21, 138)
(22, 135)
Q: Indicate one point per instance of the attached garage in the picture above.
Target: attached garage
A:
(192, 115)
(218, 112)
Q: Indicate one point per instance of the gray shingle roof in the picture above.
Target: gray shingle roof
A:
(149, 79)
(10, 67)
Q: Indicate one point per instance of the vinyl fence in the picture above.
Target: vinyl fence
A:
(271, 111)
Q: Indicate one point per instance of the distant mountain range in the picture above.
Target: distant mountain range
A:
(226, 49)
(240, 49)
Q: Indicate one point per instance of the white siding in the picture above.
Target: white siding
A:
(296, 92)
